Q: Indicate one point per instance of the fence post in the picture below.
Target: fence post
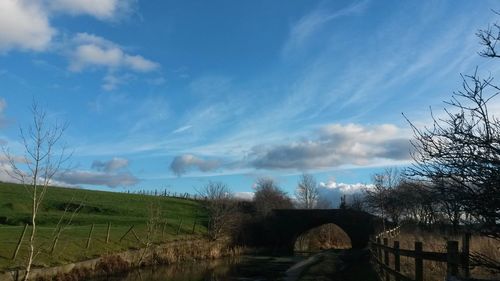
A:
(123, 236)
(179, 227)
(19, 242)
(163, 229)
(379, 254)
(397, 261)
(386, 260)
(452, 259)
(194, 226)
(90, 236)
(107, 232)
(465, 254)
(419, 264)
(135, 235)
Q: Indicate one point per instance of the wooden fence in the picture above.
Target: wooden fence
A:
(393, 232)
(453, 258)
(90, 238)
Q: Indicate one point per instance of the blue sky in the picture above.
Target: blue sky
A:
(176, 93)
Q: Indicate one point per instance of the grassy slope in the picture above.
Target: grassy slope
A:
(120, 209)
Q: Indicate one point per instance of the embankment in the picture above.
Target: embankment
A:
(172, 252)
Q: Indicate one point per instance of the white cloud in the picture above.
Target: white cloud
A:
(101, 9)
(332, 191)
(24, 25)
(244, 195)
(138, 63)
(6, 171)
(182, 163)
(336, 145)
(345, 188)
(93, 51)
(112, 165)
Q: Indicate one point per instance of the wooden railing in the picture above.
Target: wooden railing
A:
(453, 258)
(393, 232)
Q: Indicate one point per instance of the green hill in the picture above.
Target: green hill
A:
(169, 218)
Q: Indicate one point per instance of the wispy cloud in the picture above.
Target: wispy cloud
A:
(182, 129)
(309, 24)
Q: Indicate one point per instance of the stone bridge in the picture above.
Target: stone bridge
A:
(282, 228)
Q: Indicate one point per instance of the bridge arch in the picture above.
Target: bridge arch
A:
(284, 226)
(323, 237)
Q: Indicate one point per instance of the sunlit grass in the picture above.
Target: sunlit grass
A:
(121, 210)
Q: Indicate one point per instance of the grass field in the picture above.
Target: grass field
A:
(174, 219)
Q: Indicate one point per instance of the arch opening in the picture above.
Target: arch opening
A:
(323, 237)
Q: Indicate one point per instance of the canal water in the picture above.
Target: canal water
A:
(248, 268)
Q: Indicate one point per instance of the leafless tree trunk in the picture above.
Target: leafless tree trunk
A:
(42, 159)
(221, 209)
(307, 192)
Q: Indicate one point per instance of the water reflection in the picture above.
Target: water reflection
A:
(260, 268)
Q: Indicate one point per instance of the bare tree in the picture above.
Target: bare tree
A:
(463, 150)
(221, 208)
(268, 196)
(356, 202)
(43, 158)
(324, 203)
(307, 193)
(449, 205)
(381, 199)
(489, 38)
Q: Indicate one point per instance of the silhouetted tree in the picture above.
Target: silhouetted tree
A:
(343, 204)
(356, 202)
(268, 196)
(382, 198)
(460, 152)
